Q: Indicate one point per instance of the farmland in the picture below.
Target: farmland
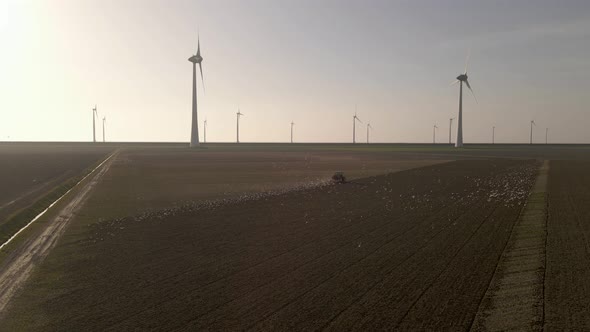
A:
(33, 175)
(29, 168)
(254, 237)
(340, 252)
(568, 260)
(154, 178)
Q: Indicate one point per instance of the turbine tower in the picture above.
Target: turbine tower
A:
(460, 79)
(493, 134)
(205, 131)
(369, 127)
(197, 58)
(354, 120)
(434, 134)
(94, 116)
(238, 125)
(450, 128)
(532, 124)
(292, 124)
(104, 119)
(546, 134)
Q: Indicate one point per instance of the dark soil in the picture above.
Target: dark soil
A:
(405, 251)
(567, 279)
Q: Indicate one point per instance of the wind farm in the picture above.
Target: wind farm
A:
(167, 225)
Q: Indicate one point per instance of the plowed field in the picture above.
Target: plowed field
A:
(567, 279)
(409, 250)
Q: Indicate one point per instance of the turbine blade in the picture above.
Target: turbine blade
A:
(470, 89)
(454, 82)
(467, 60)
(203, 81)
(359, 120)
(198, 45)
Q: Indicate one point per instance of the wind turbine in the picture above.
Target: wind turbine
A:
(94, 116)
(460, 79)
(532, 124)
(546, 134)
(450, 128)
(354, 120)
(493, 134)
(238, 125)
(369, 127)
(197, 58)
(205, 131)
(104, 119)
(292, 124)
(434, 134)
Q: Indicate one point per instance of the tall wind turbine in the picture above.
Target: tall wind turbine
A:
(369, 127)
(354, 120)
(450, 128)
(238, 125)
(94, 116)
(104, 119)
(205, 131)
(292, 124)
(460, 79)
(434, 134)
(197, 58)
(532, 124)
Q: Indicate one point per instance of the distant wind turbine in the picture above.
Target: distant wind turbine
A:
(354, 120)
(238, 125)
(546, 135)
(532, 124)
(450, 128)
(434, 134)
(104, 119)
(197, 58)
(292, 124)
(369, 127)
(94, 116)
(205, 131)
(493, 134)
(460, 79)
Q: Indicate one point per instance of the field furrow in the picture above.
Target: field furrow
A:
(376, 252)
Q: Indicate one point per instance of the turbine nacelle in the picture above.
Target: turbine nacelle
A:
(195, 58)
(462, 77)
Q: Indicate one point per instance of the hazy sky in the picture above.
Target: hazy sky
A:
(308, 61)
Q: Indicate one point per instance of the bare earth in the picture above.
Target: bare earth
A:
(375, 253)
(16, 270)
(178, 239)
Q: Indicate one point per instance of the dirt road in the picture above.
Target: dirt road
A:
(19, 265)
